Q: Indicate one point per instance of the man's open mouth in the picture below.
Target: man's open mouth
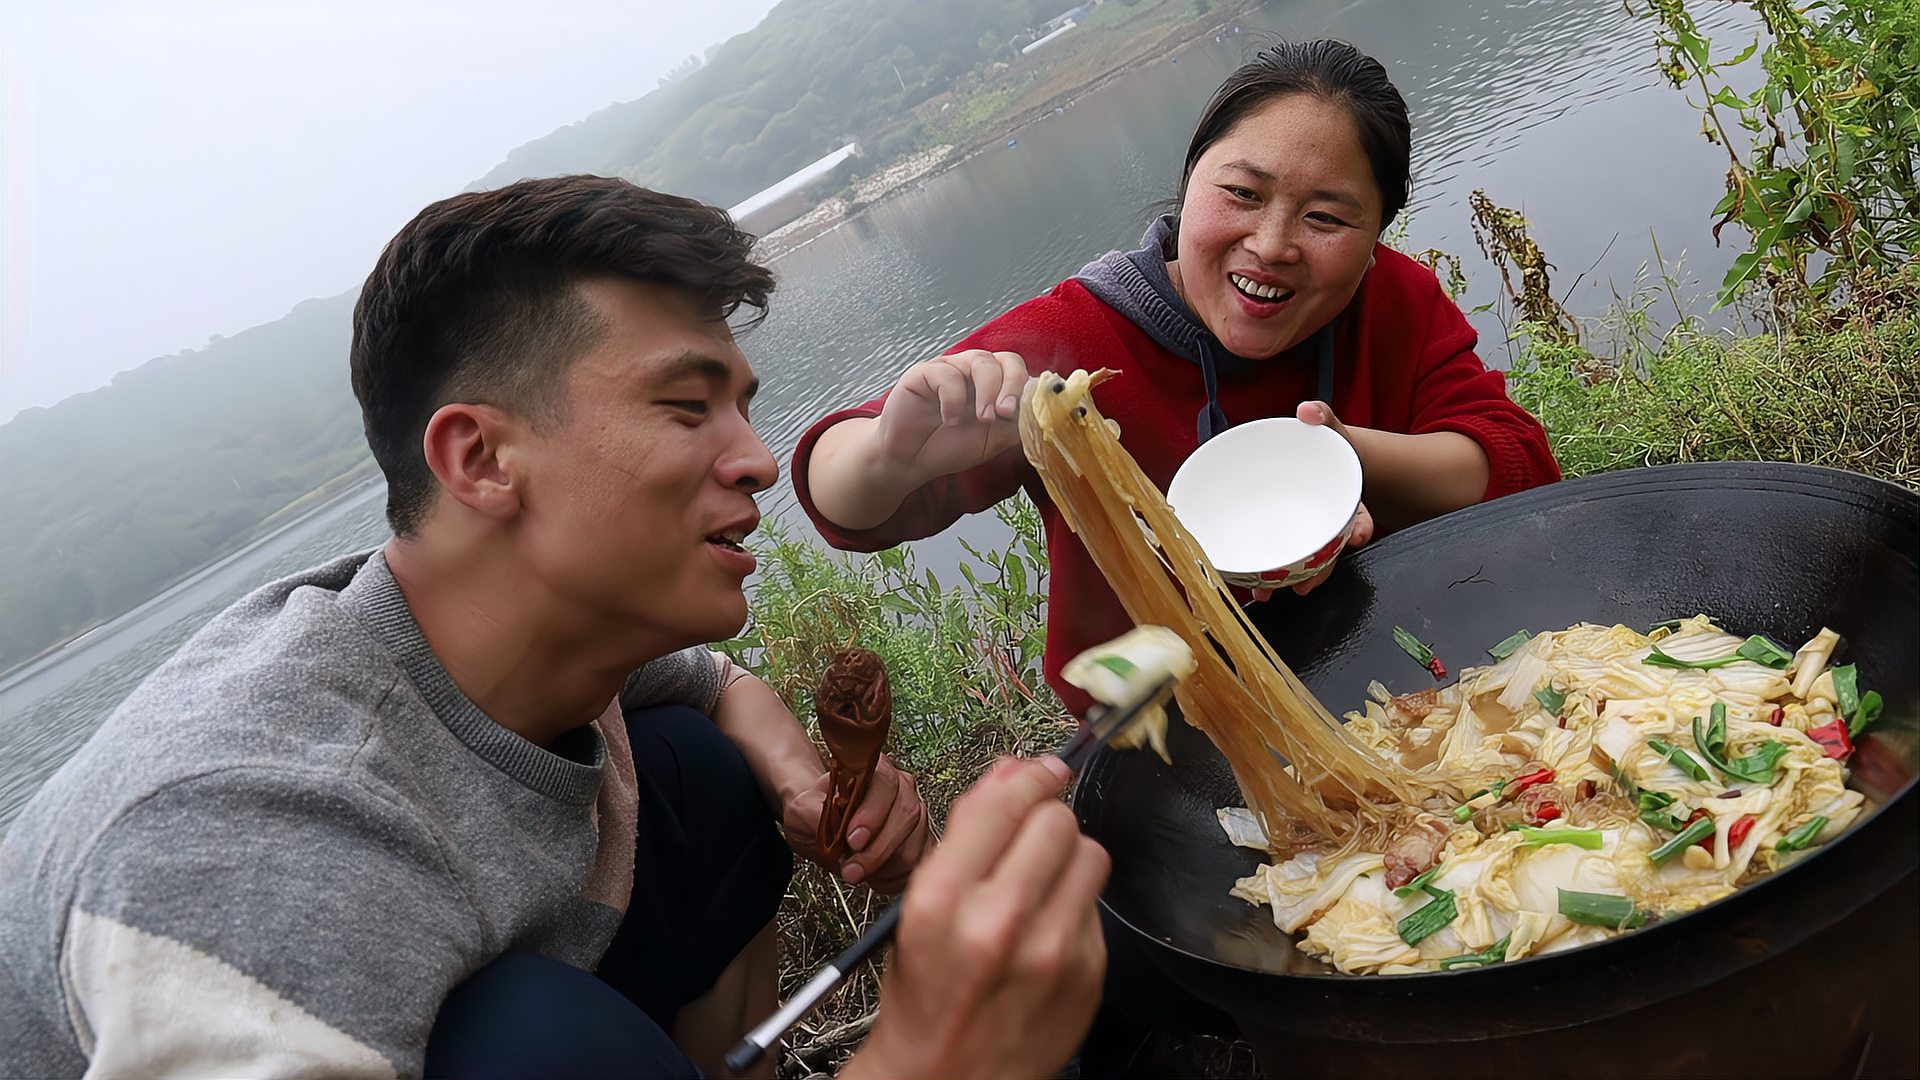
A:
(732, 539)
(1253, 290)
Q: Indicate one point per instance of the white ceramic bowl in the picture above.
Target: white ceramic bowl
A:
(1271, 502)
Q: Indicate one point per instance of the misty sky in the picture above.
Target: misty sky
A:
(173, 169)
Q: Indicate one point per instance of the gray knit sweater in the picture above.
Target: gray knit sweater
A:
(287, 845)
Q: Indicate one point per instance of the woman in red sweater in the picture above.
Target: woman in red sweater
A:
(1267, 293)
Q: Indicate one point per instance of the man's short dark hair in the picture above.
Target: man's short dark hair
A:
(477, 300)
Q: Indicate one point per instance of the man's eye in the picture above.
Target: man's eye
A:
(696, 407)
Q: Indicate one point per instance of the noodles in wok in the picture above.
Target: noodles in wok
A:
(1592, 779)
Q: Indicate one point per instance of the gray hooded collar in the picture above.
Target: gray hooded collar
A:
(1136, 284)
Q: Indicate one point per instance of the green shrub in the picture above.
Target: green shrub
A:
(1848, 398)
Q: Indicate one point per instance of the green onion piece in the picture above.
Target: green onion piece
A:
(1653, 810)
(1711, 738)
(1710, 741)
(1756, 767)
(1413, 646)
(1550, 699)
(1693, 833)
(1759, 765)
(1417, 884)
(1119, 665)
(1591, 839)
(1668, 624)
(1680, 758)
(1846, 685)
(1656, 658)
(1493, 954)
(1430, 918)
(1661, 819)
(1798, 838)
(1506, 648)
(1870, 705)
(1756, 649)
(1764, 652)
(1627, 787)
(1600, 909)
(1465, 809)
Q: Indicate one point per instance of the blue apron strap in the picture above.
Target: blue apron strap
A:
(1324, 343)
(1212, 419)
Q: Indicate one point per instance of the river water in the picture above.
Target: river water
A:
(1551, 106)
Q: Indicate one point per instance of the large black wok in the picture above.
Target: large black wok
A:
(1810, 971)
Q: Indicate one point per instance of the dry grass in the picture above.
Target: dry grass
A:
(1847, 398)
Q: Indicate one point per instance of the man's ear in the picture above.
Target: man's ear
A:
(470, 450)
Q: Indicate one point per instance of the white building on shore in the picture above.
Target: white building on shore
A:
(784, 200)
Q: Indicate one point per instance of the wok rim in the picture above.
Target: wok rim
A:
(1778, 475)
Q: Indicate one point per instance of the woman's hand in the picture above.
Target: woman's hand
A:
(888, 834)
(1321, 414)
(947, 415)
(1409, 478)
(942, 417)
(997, 963)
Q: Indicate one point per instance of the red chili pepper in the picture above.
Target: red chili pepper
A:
(1779, 714)
(1741, 827)
(1439, 669)
(1705, 841)
(1586, 789)
(1545, 812)
(1833, 739)
(1522, 783)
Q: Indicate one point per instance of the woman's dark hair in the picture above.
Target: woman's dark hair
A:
(476, 300)
(1332, 71)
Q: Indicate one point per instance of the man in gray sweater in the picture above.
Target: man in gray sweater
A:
(479, 802)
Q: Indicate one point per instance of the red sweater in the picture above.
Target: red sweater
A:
(1404, 363)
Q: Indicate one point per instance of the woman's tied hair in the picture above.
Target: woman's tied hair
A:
(1332, 71)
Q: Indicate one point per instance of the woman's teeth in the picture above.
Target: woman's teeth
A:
(1258, 291)
(732, 539)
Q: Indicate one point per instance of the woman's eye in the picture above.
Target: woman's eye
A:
(1241, 193)
(1325, 218)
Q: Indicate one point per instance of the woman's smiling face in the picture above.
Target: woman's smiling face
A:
(1277, 226)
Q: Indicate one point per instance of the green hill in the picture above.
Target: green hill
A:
(114, 494)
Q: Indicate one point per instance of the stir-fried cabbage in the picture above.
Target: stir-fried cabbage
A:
(1572, 765)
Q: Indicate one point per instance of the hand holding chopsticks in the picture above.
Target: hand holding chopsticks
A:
(1001, 943)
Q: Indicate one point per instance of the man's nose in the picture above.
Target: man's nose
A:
(748, 464)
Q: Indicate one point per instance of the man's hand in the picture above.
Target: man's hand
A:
(888, 834)
(998, 959)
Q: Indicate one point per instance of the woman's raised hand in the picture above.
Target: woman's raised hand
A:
(949, 414)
